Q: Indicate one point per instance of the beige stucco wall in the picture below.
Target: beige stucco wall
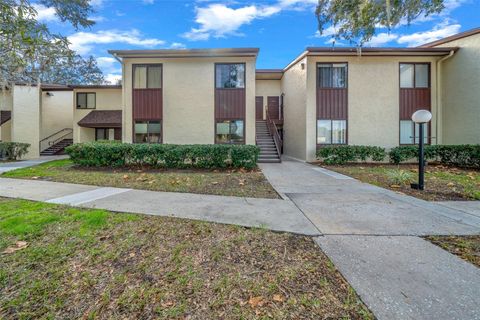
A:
(56, 111)
(6, 102)
(373, 100)
(26, 118)
(460, 93)
(294, 85)
(6, 132)
(188, 98)
(106, 99)
(267, 88)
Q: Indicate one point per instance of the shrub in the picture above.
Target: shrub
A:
(457, 155)
(467, 155)
(344, 153)
(399, 177)
(94, 154)
(13, 150)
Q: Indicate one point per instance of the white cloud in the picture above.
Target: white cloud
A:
(381, 39)
(109, 65)
(112, 78)
(438, 32)
(84, 42)
(177, 45)
(219, 19)
(327, 32)
(45, 13)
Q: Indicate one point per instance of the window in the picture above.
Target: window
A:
(230, 75)
(147, 77)
(86, 100)
(230, 131)
(409, 132)
(414, 75)
(331, 131)
(332, 75)
(148, 131)
(101, 134)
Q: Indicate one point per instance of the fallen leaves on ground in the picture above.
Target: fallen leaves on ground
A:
(19, 245)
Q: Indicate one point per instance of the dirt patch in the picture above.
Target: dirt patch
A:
(442, 183)
(466, 247)
(241, 183)
(95, 264)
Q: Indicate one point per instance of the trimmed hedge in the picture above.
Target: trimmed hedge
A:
(13, 150)
(344, 153)
(207, 156)
(467, 155)
(457, 155)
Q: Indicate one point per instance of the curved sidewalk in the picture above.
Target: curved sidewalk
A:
(278, 215)
(372, 236)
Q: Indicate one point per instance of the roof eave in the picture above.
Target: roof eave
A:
(184, 53)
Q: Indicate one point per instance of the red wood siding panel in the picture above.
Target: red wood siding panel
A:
(147, 104)
(412, 100)
(332, 103)
(273, 104)
(230, 103)
(259, 108)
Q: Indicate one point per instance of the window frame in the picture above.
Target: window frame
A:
(227, 64)
(86, 100)
(331, 133)
(414, 136)
(147, 65)
(429, 72)
(147, 121)
(222, 120)
(106, 131)
(332, 63)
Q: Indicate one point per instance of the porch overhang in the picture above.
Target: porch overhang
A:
(102, 119)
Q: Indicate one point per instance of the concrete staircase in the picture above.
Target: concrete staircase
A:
(57, 148)
(268, 151)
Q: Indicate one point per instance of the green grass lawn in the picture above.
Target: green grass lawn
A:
(89, 264)
(441, 182)
(240, 183)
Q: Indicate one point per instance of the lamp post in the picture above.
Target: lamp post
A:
(420, 117)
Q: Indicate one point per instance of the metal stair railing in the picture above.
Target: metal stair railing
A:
(272, 128)
(54, 138)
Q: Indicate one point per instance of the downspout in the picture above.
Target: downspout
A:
(439, 95)
(124, 133)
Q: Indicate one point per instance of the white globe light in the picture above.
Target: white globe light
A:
(421, 116)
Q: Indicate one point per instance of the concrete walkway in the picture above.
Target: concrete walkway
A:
(9, 166)
(278, 215)
(372, 236)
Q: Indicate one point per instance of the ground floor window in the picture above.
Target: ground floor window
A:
(409, 132)
(331, 131)
(148, 131)
(101, 134)
(230, 131)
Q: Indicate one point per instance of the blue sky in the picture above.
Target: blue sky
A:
(280, 28)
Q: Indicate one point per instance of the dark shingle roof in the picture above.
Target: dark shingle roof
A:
(102, 119)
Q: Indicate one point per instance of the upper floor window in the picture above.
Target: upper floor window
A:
(230, 75)
(414, 75)
(147, 77)
(86, 100)
(332, 75)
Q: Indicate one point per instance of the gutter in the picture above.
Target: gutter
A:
(439, 105)
(116, 57)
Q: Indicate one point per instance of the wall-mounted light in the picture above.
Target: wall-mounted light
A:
(49, 94)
